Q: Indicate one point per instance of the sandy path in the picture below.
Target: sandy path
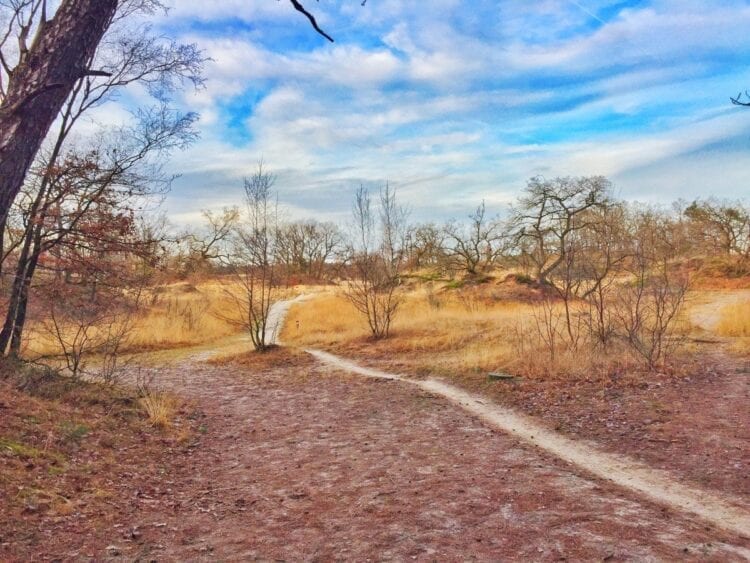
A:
(312, 462)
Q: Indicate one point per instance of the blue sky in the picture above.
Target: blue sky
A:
(455, 101)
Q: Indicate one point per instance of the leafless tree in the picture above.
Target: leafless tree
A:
(607, 245)
(650, 302)
(549, 212)
(425, 247)
(210, 245)
(306, 247)
(252, 258)
(377, 258)
(722, 225)
(476, 248)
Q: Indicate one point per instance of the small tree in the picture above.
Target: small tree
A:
(305, 247)
(425, 247)
(208, 246)
(723, 226)
(650, 303)
(252, 259)
(607, 245)
(476, 248)
(376, 259)
(548, 215)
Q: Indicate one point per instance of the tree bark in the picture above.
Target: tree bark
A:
(41, 82)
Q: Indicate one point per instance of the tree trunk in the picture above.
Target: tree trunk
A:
(41, 82)
(23, 303)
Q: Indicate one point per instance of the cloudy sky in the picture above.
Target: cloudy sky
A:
(455, 101)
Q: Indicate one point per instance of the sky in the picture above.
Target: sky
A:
(457, 101)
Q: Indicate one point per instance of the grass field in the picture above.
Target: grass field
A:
(174, 315)
(464, 332)
(735, 320)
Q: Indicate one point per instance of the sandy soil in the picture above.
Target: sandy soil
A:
(706, 308)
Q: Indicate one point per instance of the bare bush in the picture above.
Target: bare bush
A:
(475, 248)
(649, 304)
(90, 331)
(548, 323)
(377, 259)
(251, 260)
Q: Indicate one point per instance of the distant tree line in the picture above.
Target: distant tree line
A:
(569, 235)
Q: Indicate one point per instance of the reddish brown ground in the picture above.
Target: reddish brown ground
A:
(72, 463)
(695, 424)
(297, 464)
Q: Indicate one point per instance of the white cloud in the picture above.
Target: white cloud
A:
(464, 101)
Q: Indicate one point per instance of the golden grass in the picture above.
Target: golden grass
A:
(175, 315)
(159, 407)
(735, 320)
(179, 315)
(440, 332)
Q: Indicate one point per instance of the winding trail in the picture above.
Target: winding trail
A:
(654, 484)
(625, 472)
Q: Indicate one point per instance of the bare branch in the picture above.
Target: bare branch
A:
(738, 100)
(300, 8)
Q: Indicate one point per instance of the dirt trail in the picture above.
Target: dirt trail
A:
(305, 460)
(276, 317)
(656, 485)
(299, 462)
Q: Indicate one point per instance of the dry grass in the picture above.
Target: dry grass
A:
(186, 315)
(159, 407)
(178, 315)
(466, 332)
(735, 320)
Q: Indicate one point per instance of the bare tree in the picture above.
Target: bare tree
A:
(607, 245)
(425, 247)
(548, 214)
(211, 244)
(305, 247)
(650, 303)
(476, 248)
(252, 258)
(722, 225)
(376, 258)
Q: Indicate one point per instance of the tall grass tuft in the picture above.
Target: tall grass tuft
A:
(735, 320)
